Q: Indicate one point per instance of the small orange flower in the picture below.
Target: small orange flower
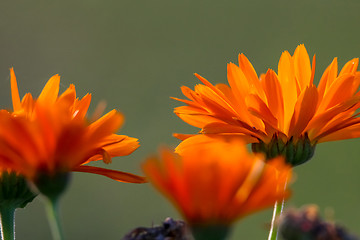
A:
(286, 106)
(218, 182)
(52, 135)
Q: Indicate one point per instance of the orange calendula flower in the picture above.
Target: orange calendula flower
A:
(51, 135)
(277, 110)
(214, 184)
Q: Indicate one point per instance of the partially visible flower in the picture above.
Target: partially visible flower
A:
(214, 184)
(283, 113)
(306, 223)
(14, 193)
(45, 139)
(169, 230)
(51, 135)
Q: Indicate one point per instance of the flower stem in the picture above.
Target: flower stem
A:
(278, 208)
(52, 209)
(7, 223)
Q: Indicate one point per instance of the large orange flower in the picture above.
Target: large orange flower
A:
(51, 135)
(286, 106)
(218, 182)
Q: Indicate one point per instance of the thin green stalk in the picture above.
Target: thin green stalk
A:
(7, 215)
(278, 208)
(52, 209)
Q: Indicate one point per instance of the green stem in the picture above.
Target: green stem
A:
(278, 208)
(52, 209)
(7, 223)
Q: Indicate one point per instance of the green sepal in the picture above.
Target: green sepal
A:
(52, 186)
(295, 153)
(210, 232)
(14, 191)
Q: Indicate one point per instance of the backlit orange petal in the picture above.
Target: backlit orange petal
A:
(217, 127)
(193, 116)
(258, 108)
(116, 145)
(182, 137)
(288, 83)
(345, 133)
(28, 104)
(14, 91)
(239, 86)
(318, 122)
(339, 91)
(113, 174)
(120, 145)
(251, 75)
(50, 92)
(302, 66)
(335, 126)
(274, 96)
(81, 106)
(327, 78)
(350, 67)
(67, 98)
(304, 111)
(106, 125)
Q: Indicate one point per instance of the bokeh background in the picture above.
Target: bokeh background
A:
(135, 54)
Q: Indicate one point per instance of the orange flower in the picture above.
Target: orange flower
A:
(286, 106)
(218, 182)
(52, 135)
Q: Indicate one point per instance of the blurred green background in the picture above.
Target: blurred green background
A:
(135, 54)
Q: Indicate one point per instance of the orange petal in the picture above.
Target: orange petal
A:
(249, 71)
(336, 126)
(15, 91)
(190, 94)
(28, 103)
(259, 109)
(81, 107)
(106, 125)
(188, 102)
(190, 142)
(121, 145)
(327, 78)
(216, 103)
(345, 133)
(317, 123)
(217, 127)
(113, 174)
(194, 116)
(304, 111)
(67, 98)
(350, 67)
(302, 66)
(341, 89)
(274, 96)
(50, 92)
(206, 139)
(212, 87)
(182, 137)
(288, 84)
